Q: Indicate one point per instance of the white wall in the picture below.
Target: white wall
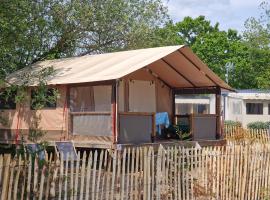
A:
(212, 104)
(243, 117)
(252, 118)
(229, 107)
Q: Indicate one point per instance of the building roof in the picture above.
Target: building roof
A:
(251, 94)
(177, 66)
(252, 91)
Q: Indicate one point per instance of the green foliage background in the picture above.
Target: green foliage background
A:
(31, 31)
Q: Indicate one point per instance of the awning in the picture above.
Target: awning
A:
(177, 66)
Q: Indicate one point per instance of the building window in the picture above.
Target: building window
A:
(254, 108)
(236, 107)
(7, 100)
(39, 100)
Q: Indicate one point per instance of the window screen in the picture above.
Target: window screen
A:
(90, 99)
(7, 100)
(254, 108)
(142, 96)
(48, 101)
(188, 108)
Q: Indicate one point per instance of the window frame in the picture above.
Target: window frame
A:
(11, 103)
(260, 109)
(47, 106)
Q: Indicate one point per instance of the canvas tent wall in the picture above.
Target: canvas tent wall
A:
(155, 73)
(52, 120)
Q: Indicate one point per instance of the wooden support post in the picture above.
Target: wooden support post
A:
(218, 113)
(69, 120)
(173, 107)
(114, 112)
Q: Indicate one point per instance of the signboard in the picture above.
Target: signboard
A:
(66, 149)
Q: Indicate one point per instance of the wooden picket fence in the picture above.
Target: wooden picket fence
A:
(221, 172)
(239, 133)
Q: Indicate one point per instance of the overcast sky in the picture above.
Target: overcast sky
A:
(229, 13)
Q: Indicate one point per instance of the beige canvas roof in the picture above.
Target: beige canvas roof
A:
(177, 66)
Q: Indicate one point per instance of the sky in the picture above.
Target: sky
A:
(229, 13)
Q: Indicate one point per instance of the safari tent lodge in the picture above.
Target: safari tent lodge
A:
(118, 98)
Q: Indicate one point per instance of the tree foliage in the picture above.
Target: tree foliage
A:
(257, 37)
(45, 29)
(217, 48)
(31, 31)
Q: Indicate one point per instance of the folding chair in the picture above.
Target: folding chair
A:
(36, 148)
(66, 150)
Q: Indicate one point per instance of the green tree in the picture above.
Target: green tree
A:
(31, 31)
(213, 46)
(257, 38)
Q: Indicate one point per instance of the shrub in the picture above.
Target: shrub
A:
(258, 125)
(232, 123)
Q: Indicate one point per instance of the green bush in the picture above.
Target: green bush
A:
(232, 123)
(258, 125)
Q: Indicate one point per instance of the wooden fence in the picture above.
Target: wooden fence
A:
(221, 172)
(238, 133)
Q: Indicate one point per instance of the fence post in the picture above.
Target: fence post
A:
(6, 164)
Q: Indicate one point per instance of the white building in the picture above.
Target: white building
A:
(244, 106)
(247, 106)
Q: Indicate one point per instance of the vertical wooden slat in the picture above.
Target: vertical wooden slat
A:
(36, 172)
(42, 180)
(132, 172)
(145, 174)
(15, 194)
(1, 169)
(109, 175)
(12, 165)
(106, 160)
(24, 180)
(158, 174)
(66, 176)
(126, 194)
(98, 192)
(61, 175)
(88, 176)
(82, 176)
(29, 177)
(49, 177)
(6, 176)
(118, 176)
(113, 174)
(71, 184)
(123, 174)
(55, 166)
(76, 181)
(94, 175)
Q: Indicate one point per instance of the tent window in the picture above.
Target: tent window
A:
(90, 99)
(254, 108)
(48, 102)
(142, 96)
(188, 108)
(7, 101)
